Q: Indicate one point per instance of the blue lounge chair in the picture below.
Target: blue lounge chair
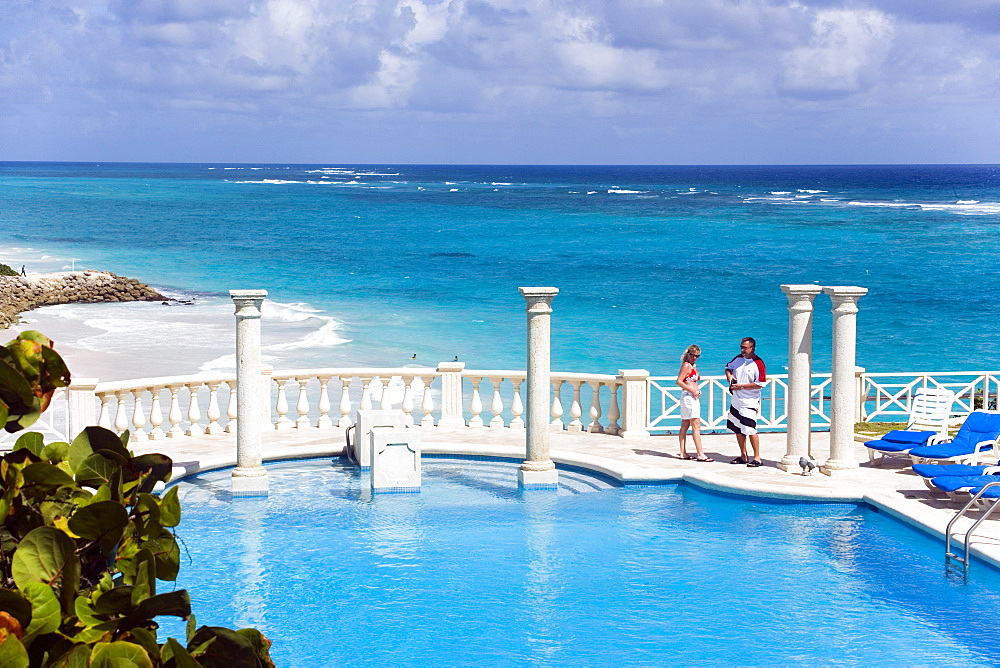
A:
(978, 434)
(953, 484)
(971, 467)
(929, 415)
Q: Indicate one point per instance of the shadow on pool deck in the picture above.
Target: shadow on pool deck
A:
(891, 488)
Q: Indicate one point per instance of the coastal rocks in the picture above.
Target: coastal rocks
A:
(23, 293)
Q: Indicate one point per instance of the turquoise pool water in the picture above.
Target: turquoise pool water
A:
(474, 571)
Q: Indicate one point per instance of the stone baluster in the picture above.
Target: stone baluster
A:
(575, 410)
(233, 406)
(138, 416)
(635, 403)
(324, 421)
(345, 402)
(538, 470)
(302, 405)
(175, 416)
(798, 398)
(613, 411)
(194, 410)
(366, 394)
(496, 406)
(213, 413)
(121, 413)
(557, 409)
(842, 391)
(516, 405)
(281, 407)
(385, 402)
(451, 394)
(595, 409)
(249, 476)
(105, 418)
(476, 404)
(427, 403)
(407, 404)
(155, 414)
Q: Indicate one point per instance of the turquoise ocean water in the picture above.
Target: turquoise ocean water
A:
(370, 265)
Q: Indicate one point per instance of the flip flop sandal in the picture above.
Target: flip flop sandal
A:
(754, 463)
(739, 460)
(706, 459)
(689, 457)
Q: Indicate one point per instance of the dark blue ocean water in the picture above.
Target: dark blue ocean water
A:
(426, 260)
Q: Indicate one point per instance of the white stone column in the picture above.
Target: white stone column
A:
(249, 476)
(635, 402)
(451, 394)
(538, 470)
(797, 396)
(82, 406)
(842, 394)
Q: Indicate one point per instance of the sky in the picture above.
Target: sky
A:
(501, 81)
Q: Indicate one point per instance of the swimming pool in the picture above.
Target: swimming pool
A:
(473, 570)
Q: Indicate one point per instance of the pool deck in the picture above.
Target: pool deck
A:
(892, 488)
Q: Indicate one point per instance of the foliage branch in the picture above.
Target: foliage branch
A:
(84, 540)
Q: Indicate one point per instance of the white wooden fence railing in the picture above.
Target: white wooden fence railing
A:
(631, 403)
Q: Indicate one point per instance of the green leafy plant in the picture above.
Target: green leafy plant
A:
(84, 541)
(7, 271)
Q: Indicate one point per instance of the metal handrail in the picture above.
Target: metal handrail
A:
(964, 560)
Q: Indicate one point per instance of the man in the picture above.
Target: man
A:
(746, 375)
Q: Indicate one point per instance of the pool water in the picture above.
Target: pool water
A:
(472, 570)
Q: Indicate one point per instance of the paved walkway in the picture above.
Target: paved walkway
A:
(892, 488)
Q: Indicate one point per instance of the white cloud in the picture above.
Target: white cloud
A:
(656, 66)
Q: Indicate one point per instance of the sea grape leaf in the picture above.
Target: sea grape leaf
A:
(46, 475)
(44, 555)
(12, 652)
(55, 452)
(174, 603)
(229, 649)
(104, 521)
(260, 644)
(31, 440)
(96, 470)
(97, 439)
(45, 614)
(174, 655)
(155, 466)
(170, 508)
(119, 654)
(147, 640)
(77, 657)
(16, 605)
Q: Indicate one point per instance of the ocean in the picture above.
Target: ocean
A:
(390, 265)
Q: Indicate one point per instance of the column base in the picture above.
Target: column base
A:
(529, 479)
(248, 482)
(833, 467)
(451, 423)
(790, 463)
(632, 433)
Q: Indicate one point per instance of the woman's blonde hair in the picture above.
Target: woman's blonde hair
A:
(691, 350)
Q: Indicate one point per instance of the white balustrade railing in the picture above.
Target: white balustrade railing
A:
(665, 403)
(174, 407)
(888, 397)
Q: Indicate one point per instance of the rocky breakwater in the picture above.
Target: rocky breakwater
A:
(23, 293)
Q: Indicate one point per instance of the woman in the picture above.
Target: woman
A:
(687, 380)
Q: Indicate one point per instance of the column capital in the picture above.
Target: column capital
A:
(845, 297)
(539, 300)
(845, 292)
(248, 302)
(450, 367)
(633, 374)
(801, 292)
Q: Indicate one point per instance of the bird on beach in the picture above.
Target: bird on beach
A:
(807, 465)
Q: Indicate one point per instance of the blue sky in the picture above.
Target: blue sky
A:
(501, 81)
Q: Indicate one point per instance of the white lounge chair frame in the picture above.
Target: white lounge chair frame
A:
(930, 411)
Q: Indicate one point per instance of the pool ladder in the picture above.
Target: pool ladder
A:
(950, 556)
